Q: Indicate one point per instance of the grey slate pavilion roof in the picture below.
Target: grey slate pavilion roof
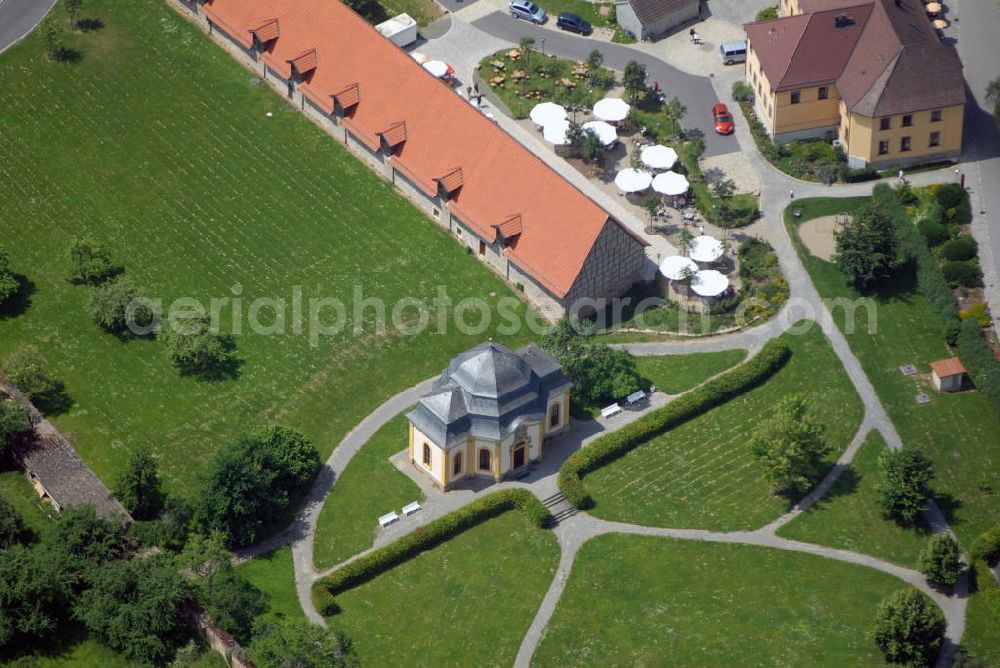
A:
(487, 392)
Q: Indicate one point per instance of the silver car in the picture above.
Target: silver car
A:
(527, 10)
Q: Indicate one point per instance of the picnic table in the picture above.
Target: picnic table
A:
(514, 54)
(499, 64)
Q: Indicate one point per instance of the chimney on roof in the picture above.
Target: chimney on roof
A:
(842, 21)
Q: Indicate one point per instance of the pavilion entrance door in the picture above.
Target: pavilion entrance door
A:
(518, 455)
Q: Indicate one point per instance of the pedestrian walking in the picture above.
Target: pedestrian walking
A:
(902, 177)
(791, 194)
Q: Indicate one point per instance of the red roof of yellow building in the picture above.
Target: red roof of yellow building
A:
(948, 367)
(499, 176)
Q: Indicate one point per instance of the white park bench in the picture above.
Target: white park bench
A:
(411, 508)
(388, 519)
(635, 397)
(610, 411)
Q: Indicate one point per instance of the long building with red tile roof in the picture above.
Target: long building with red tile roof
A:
(512, 209)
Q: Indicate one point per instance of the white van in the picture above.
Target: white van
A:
(733, 52)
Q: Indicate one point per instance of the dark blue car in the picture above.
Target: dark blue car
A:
(573, 23)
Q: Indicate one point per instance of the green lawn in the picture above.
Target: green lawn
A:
(466, 602)
(422, 11)
(674, 374)
(959, 431)
(981, 638)
(38, 515)
(646, 601)
(849, 516)
(369, 487)
(157, 144)
(701, 474)
(273, 574)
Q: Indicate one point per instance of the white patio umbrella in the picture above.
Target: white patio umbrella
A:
(547, 112)
(632, 180)
(706, 249)
(604, 131)
(673, 267)
(438, 68)
(658, 157)
(670, 183)
(419, 57)
(709, 283)
(555, 133)
(611, 109)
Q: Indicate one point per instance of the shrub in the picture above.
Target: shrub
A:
(978, 312)
(909, 628)
(960, 248)
(198, 351)
(742, 92)
(949, 195)
(941, 560)
(690, 405)
(935, 233)
(599, 372)
(13, 422)
(12, 529)
(35, 589)
(138, 487)
(284, 643)
(424, 538)
(768, 13)
(986, 547)
(849, 175)
(790, 446)
(965, 274)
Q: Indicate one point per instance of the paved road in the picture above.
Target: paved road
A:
(695, 92)
(19, 17)
(978, 25)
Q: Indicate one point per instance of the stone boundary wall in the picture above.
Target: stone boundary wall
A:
(217, 639)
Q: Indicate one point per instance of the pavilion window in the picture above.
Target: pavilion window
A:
(427, 455)
(554, 416)
(457, 467)
(485, 460)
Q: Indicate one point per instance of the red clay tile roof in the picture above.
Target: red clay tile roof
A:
(891, 61)
(395, 134)
(560, 224)
(948, 367)
(511, 227)
(304, 62)
(810, 6)
(267, 31)
(807, 49)
(901, 65)
(451, 180)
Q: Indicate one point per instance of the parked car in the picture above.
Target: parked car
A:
(527, 10)
(573, 23)
(723, 121)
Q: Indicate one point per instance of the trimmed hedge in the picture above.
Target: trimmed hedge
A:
(960, 248)
(966, 274)
(986, 547)
(745, 377)
(426, 537)
(979, 362)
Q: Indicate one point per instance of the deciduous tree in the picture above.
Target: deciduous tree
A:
(941, 560)
(35, 588)
(867, 248)
(9, 284)
(117, 307)
(790, 446)
(909, 628)
(89, 261)
(197, 350)
(634, 81)
(138, 487)
(29, 372)
(13, 422)
(296, 642)
(904, 484)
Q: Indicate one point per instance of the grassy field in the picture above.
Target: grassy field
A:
(694, 604)
(38, 515)
(958, 431)
(157, 143)
(702, 475)
(423, 12)
(370, 486)
(273, 574)
(466, 602)
(674, 374)
(849, 516)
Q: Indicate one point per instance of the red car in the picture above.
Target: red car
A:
(723, 121)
